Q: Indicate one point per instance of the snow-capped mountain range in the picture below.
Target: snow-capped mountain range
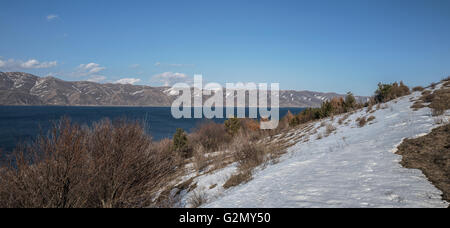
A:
(17, 88)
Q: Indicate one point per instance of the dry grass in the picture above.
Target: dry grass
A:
(199, 159)
(361, 121)
(447, 79)
(371, 118)
(197, 199)
(237, 179)
(418, 88)
(213, 186)
(431, 154)
(329, 129)
(446, 84)
(249, 155)
(369, 108)
(378, 107)
(441, 101)
(418, 105)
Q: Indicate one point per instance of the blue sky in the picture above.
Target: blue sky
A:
(304, 45)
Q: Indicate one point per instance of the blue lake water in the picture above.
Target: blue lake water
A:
(24, 123)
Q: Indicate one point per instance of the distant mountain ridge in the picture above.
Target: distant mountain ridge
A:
(17, 88)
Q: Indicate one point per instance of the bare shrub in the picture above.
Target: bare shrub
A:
(197, 199)
(440, 102)
(288, 120)
(199, 158)
(427, 96)
(369, 108)
(342, 120)
(108, 165)
(212, 186)
(418, 88)
(371, 118)
(237, 179)
(210, 136)
(417, 105)
(330, 129)
(249, 155)
(361, 121)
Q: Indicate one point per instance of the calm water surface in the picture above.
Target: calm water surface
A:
(24, 123)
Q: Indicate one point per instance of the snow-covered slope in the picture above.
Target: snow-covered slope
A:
(353, 167)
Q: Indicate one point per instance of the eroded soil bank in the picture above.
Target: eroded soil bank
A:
(431, 154)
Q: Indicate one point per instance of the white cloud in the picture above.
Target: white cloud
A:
(98, 78)
(12, 64)
(52, 17)
(88, 69)
(34, 64)
(131, 81)
(170, 78)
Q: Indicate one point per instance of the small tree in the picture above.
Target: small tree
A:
(382, 93)
(350, 101)
(326, 109)
(232, 125)
(180, 142)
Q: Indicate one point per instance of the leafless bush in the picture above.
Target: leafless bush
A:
(249, 155)
(210, 135)
(197, 199)
(440, 102)
(199, 158)
(427, 96)
(418, 88)
(371, 118)
(108, 165)
(417, 105)
(341, 120)
(361, 121)
(330, 129)
(237, 179)
(369, 108)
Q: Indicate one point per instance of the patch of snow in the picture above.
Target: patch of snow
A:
(205, 183)
(76, 89)
(171, 92)
(355, 167)
(137, 92)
